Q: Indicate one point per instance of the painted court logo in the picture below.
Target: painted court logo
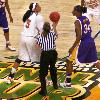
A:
(26, 85)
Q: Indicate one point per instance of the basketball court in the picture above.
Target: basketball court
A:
(86, 81)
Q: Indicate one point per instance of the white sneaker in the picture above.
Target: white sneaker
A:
(9, 80)
(65, 85)
(9, 47)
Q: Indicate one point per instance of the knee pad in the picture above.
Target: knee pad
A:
(6, 30)
(18, 60)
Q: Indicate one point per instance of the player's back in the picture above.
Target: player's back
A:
(30, 26)
(85, 27)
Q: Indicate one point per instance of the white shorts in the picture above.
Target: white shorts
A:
(93, 13)
(28, 50)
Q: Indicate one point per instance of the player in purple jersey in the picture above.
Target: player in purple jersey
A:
(87, 50)
(4, 23)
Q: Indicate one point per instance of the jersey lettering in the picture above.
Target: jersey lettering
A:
(87, 28)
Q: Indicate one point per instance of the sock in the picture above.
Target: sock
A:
(11, 75)
(7, 42)
(13, 71)
(68, 77)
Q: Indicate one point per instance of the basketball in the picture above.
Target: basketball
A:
(54, 16)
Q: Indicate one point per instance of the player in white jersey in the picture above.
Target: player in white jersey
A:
(33, 23)
(93, 9)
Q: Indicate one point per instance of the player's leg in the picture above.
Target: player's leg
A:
(23, 51)
(69, 68)
(23, 56)
(6, 33)
(71, 58)
(13, 71)
(69, 65)
(32, 50)
(97, 64)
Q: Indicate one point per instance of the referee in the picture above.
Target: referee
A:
(46, 41)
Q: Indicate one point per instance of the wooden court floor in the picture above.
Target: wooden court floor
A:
(65, 30)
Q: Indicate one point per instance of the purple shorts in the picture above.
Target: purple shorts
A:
(87, 51)
(4, 22)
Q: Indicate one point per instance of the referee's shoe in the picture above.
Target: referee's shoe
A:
(43, 93)
(55, 85)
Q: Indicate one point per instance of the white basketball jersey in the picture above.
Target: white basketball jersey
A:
(30, 26)
(40, 22)
(33, 25)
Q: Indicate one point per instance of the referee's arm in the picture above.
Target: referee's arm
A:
(54, 27)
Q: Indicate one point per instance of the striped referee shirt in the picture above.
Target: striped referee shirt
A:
(47, 42)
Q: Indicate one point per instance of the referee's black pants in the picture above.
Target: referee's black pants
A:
(48, 58)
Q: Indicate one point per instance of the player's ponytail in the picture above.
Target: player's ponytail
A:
(80, 9)
(84, 9)
(28, 13)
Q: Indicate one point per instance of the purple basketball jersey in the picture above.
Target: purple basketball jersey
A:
(85, 24)
(87, 50)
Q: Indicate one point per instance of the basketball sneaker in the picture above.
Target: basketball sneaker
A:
(65, 85)
(9, 47)
(55, 85)
(10, 78)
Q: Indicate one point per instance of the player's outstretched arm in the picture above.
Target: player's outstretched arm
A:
(8, 10)
(82, 3)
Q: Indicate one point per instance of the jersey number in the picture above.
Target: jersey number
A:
(28, 23)
(87, 28)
